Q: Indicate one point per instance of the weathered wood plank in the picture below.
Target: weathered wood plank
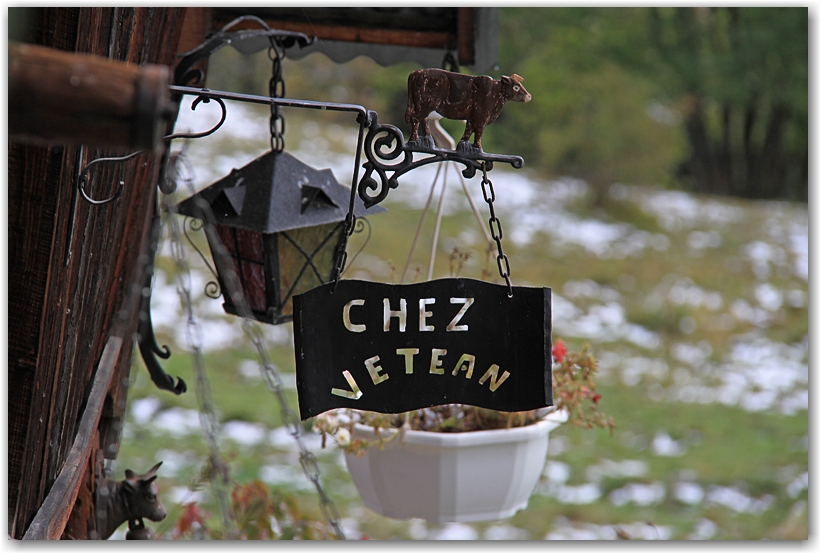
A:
(391, 37)
(30, 224)
(82, 297)
(53, 515)
(67, 98)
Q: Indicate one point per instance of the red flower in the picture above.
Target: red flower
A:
(558, 351)
(596, 398)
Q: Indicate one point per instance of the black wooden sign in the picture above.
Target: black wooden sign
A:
(394, 348)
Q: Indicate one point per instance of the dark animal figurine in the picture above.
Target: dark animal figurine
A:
(478, 99)
(134, 498)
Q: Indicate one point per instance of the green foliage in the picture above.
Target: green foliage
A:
(740, 76)
(589, 118)
(715, 96)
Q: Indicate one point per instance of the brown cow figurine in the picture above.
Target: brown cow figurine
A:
(136, 497)
(478, 100)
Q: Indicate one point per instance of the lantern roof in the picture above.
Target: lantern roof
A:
(277, 192)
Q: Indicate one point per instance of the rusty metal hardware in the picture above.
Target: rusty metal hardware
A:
(501, 258)
(204, 100)
(385, 143)
(84, 178)
(146, 339)
(246, 41)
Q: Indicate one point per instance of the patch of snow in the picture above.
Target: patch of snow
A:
(638, 493)
(577, 495)
(144, 408)
(350, 528)
(417, 528)
(734, 499)
(282, 438)
(798, 485)
(453, 531)
(505, 532)
(556, 471)
(244, 433)
(769, 297)
(665, 446)
(627, 468)
(694, 355)
(688, 492)
(285, 475)
(182, 495)
(173, 462)
(677, 210)
(566, 530)
(704, 529)
(177, 422)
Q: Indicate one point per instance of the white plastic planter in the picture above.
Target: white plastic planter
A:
(453, 477)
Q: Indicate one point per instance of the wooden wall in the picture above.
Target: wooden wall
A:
(63, 308)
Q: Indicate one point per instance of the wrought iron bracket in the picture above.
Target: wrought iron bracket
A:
(247, 41)
(146, 340)
(385, 143)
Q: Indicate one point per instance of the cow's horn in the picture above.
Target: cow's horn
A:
(517, 78)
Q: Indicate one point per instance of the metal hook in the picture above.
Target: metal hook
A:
(84, 178)
(204, 100)
(246, 18)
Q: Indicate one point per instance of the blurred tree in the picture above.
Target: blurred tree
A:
(618, 92)
(743, 76)
(589, 117)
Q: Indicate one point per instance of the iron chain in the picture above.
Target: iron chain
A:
(219, 476)
(276, 89)
(269, 372)
(502, 260)
(290, 419)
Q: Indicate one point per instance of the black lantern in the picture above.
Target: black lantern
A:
(281, 223)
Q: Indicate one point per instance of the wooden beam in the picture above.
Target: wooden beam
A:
(466, 36)
(69, 98)
(51, 519)
(392, 37)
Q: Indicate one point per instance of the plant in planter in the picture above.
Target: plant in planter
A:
(458, 462)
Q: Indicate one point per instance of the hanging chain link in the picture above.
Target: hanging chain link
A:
(276, 89)
(291, 421)
(268, 370)
(495, 230)
(219, 475)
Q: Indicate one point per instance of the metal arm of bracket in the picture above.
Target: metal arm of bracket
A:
(147, 342)
(385, 143)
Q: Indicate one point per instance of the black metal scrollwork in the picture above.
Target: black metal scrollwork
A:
(146, 340)
(204, 99)
(385, 143)
(212, 288)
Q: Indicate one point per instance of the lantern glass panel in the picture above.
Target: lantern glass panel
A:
(296, 248)
(245, 250)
